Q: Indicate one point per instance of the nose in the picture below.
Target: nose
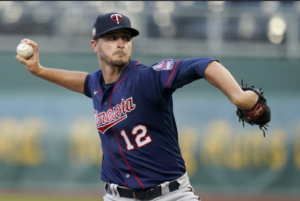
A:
(120, 43)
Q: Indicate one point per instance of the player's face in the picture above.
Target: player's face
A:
(115, 47)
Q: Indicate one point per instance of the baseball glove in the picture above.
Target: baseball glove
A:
(260, 114)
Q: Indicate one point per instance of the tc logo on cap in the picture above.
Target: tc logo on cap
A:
(116, 18)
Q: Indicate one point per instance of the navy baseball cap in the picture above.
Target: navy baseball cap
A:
(111, 21)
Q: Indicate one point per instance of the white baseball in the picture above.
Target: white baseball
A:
(24, 50)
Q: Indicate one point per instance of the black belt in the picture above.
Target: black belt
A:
(145, 194)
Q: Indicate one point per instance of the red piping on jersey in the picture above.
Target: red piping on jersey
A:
(118, 138)
(172, 74)
(99, 91)
(114, 90)
(113, 157)
(127, 162)
(136, 64)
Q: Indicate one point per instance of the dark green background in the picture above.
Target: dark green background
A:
(23, 96)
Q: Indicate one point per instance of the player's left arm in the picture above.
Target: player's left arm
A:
(217, 75)
(252, 105)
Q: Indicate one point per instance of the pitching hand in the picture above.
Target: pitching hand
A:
(32, 64)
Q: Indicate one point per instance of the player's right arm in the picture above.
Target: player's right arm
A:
(72, 80)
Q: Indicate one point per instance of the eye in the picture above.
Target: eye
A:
(126, 38)
(111, 38)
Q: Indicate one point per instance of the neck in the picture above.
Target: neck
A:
(111, 73)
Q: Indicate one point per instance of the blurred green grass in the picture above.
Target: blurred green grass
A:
(8, 197)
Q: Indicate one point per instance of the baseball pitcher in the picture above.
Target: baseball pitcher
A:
(133, 110)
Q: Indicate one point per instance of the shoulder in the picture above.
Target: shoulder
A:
(163, 65)
(199, 59)
(135, 66)
(167, 64)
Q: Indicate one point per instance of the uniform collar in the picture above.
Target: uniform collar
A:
(125, 71)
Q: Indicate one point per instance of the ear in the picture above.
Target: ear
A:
(94, 45)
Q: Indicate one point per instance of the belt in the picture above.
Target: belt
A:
(145, 194)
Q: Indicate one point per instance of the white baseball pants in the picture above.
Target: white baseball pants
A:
(184, 193)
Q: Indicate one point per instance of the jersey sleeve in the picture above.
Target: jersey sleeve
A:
(87, 90)
(187, 71)
(163, 78)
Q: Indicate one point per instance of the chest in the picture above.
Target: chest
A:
(121, 106)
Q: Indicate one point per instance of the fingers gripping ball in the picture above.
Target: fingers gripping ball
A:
(24, 50)
(260, 114)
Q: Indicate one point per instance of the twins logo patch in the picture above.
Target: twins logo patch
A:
(164, 65)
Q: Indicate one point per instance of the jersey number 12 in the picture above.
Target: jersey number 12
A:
(141, 139)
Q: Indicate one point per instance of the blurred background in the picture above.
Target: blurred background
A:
(50, 148)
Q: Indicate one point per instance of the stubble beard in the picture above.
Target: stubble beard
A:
(114, 62)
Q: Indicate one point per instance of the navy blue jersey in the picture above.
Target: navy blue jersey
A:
(135, 120)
